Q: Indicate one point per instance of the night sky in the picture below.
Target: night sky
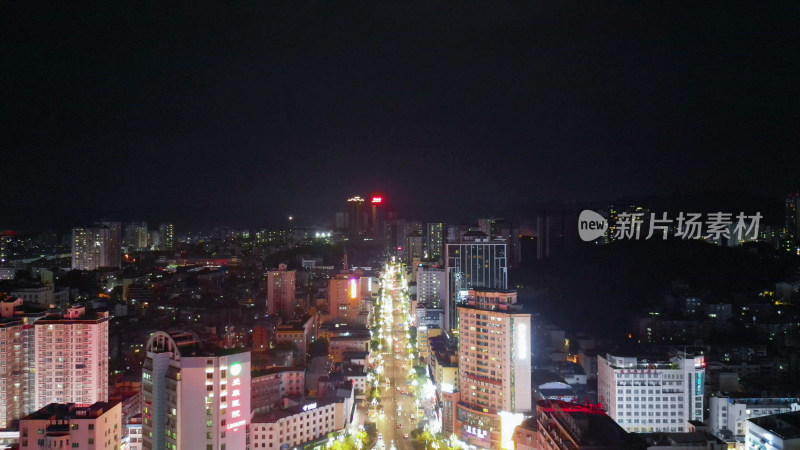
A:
(242, 115)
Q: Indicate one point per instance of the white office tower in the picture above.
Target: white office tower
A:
(71, 358)
(193, 398)
(494, 359)
(652, 395)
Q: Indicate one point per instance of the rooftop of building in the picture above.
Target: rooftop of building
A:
(354, 355)
(278, 414)
(693, 438)
(70, 411)
(786, 425)
(294, 325)
(350, 338)
(589, 425)
(274, 370)
(541, 376)
(338, 325)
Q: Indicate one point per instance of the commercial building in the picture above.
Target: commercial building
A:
(71, 358)
(778, 431)
(58, 425)
(193, 397)
(281, 292)
(475, 261)
(494, 374)
(356, 217)
(646, 395)
(567, 426)
(345, 298)
(300, 425)
(728, 413)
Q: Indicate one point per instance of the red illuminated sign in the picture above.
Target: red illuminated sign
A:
(377, 200)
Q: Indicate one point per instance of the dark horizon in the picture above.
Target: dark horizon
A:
(248, 114)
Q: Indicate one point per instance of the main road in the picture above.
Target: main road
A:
(399, 414)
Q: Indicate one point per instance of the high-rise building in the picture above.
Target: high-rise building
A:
(435, 236)
(136, 236)
(18, 367)
(652, 395)
(114, 242)
(355, 212)
(344, 297)
(71, 358)
(413, 248)
(5, 241)
(792, 209)
(193, 397)
(11, 371)
(166, 236)
(96, 425)
(376, 219)
(96, 247)
(486, 225)
(431, 286)
(507, 231)
(281, 292)
(474, 262)
(494, 373)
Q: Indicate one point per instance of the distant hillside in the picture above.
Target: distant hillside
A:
(597, 288)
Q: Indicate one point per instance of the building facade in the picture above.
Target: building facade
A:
(193, 398)
(71, 358)
(652, 395)
(475, 262)
(431, 286)
(58, 425)
(728, 414)
(494, 373)
(96, 247)
(281, 292)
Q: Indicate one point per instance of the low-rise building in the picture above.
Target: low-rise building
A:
(299, 425)
(337, 346)
(269, 386)
(728, 413)
(778, 431)
(568, 426)
(67, 425)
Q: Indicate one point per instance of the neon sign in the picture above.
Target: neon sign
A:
(238, 424)
(309, 407)
(353, 288)
(376, 200)
(236, 398)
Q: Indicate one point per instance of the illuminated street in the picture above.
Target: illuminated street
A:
(396, 412)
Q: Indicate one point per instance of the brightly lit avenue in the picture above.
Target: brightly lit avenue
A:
(401, 399)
